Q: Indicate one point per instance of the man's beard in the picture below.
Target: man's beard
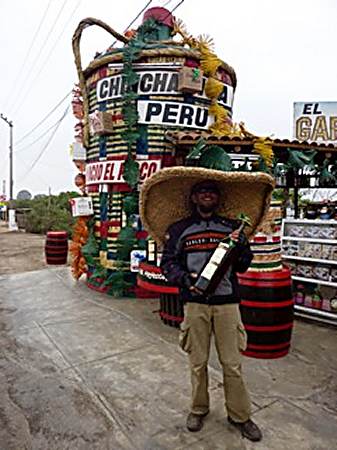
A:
(206, 209)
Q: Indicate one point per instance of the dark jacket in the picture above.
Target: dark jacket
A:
(188, 247)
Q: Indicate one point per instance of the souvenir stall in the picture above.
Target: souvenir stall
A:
(163, 98)
(309, 242)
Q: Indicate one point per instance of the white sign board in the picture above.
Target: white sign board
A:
(12, 220)
(315, 122)
(158, 81)
(173, 114)
(111, 171)
(79, 152)
(81, 206)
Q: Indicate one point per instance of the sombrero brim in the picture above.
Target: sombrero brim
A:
(165, 197)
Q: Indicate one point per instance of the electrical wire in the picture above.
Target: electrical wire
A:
(20, 71)
(43, 120)
(37, 139)
(134, 20)
(48, 142)
(38, 55)
(44, 64)
(177, 6)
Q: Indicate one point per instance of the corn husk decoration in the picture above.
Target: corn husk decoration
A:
(80, 237)
(263, 147)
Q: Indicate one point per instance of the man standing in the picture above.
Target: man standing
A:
(188, 247)
(187, 211)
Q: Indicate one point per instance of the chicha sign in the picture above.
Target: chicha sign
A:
(112, 171)
(163, 83)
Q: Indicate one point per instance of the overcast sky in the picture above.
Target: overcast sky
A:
(282, 52)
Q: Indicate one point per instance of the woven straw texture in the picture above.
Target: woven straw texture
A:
(164, 197)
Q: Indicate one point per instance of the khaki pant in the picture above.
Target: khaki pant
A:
(224, 321)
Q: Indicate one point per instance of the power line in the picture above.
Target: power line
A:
(177, 6)
(20, 71)
(39, 53)
(39, 138)
(44, 64)
(134, 20)
(47, 144)
(167, 3)
(44, 119)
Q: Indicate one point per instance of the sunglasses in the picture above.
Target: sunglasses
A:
(208, 190)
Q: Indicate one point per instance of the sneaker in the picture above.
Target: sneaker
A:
(248, 429)
(195, 422)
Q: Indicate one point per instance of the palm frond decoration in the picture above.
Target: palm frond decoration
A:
(263, 147)
(213, 88)
(298, 159)
(118, 285)
(125, 242)
(326, 177)
(193, 157)
(215, 157)
(209, 63)
(131, 171)
(222, 125)
(260, 165)
(130, 204)
(245, 132)
(205, 43)
(179, 27)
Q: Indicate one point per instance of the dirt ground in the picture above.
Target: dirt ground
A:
(20, 251)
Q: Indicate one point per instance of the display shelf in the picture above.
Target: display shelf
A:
(315, 281)
(305, 258)
(317, 222)
(304, 227)
(308, 239)
(316, 314)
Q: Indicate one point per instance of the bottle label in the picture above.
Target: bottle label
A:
(209, 271)
(219, 253)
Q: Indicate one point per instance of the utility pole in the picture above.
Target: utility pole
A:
(11, 212)
(10, 124)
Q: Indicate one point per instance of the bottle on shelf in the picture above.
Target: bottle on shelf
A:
(317, 299)
(333, 303)
(299, 295)
(219, 261)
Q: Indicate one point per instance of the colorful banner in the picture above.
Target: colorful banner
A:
(111, 171)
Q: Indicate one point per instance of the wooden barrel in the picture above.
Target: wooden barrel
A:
(267, 310)
(56, 247)
(171, 309)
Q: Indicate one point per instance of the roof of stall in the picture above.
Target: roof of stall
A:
(187, 138)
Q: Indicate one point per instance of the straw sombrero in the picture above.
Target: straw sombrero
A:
(165, 196)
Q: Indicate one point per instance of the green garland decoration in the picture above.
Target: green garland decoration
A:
(215, 157)
(129, 111)
(148, 30)
(298, 159)
(326, 177)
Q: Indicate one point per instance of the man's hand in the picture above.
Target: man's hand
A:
(193, 288)
(235, 236)
(238, 237)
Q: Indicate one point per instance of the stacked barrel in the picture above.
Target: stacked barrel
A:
(266, 293)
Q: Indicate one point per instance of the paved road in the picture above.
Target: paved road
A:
(80, 370)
